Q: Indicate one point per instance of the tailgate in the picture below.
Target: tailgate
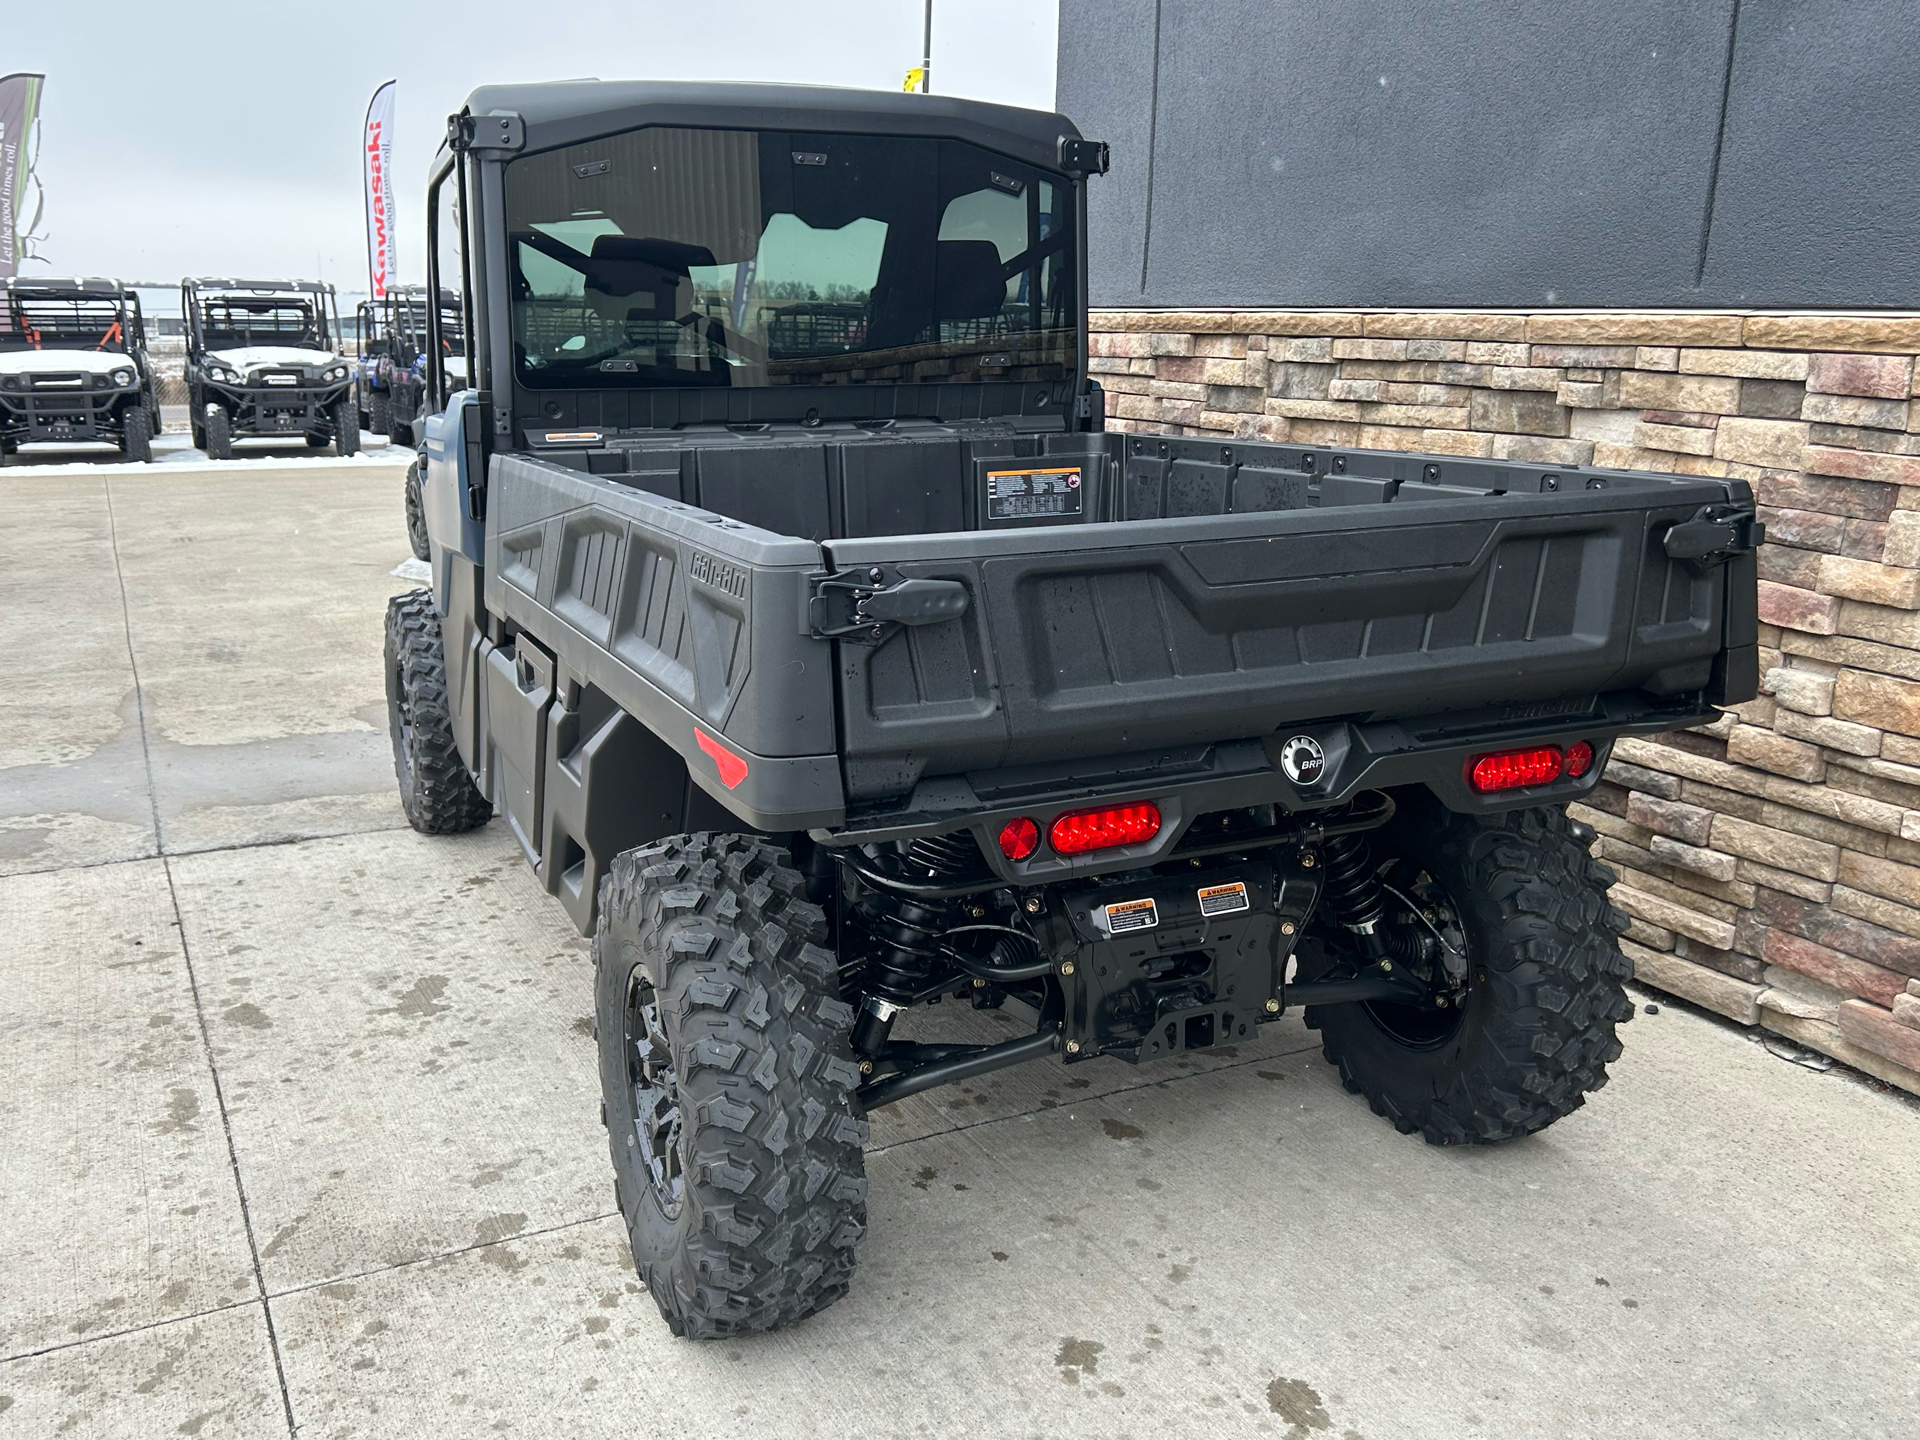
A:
(1114, 638)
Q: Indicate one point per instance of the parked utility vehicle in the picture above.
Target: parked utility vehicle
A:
(827, 658)
(390, 377)
(73, 366)
(261, 364)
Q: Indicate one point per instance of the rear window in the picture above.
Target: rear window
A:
(669, 256)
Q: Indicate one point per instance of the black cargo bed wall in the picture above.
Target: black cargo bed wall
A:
(831, 487)
(792, 483)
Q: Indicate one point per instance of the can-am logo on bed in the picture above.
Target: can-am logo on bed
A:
(729, 579)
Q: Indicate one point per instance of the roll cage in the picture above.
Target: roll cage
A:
(76, 314)
(225, 314)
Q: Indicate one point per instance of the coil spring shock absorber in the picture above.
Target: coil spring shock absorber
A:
(1351, 893)
(907, 932)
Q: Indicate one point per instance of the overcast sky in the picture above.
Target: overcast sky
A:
(217, 138)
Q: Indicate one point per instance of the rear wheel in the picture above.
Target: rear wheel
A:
(1534, 1032)
(416, 514)
(217, 431)
(727, 1073)
(436, 788)
(346, 426)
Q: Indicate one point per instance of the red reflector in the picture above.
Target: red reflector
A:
(1579, 758)
(1086, 830)
(1019, 838)
(1513, 769)
(731, 767)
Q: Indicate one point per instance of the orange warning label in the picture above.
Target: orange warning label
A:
(1132, 915)
(1223, 899)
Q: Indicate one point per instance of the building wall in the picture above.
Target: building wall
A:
(1771, 860)
(1590, 153)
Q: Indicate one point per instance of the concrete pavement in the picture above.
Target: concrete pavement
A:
(302, 1128)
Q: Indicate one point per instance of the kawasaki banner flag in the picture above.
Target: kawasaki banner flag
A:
(19, 108)
(376, 156)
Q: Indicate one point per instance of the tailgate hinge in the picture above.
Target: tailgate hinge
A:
(1714, 535)
(860, 606)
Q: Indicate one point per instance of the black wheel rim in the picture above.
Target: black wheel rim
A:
(1415, 1027)
(657, 1128)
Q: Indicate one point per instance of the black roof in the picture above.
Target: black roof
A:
(62, 285)
(565, 112)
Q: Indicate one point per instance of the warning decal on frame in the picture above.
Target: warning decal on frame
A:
(1025, 494)
(1131, 915)
(1223, 899)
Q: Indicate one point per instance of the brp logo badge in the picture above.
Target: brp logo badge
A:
(1303, 760)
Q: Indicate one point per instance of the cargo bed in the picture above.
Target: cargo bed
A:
(748, 581)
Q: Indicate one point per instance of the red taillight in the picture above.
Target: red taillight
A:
(1514, 769)
(1115, 825)
(1579, 758)
(1019, 838)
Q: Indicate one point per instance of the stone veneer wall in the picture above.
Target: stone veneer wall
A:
(1771, 860)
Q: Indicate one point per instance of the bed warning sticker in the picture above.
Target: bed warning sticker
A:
(1024, 494)
(1223, 899)
(1130, 915)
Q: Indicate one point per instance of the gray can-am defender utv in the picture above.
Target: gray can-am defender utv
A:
(74, 367)
(261, 364)
(828, 658)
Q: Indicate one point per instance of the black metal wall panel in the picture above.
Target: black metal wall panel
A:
(1604, 153)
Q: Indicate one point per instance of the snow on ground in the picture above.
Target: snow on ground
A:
(176, 452)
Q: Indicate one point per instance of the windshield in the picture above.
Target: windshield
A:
(231, 322)
(729, 257)
(70, 322)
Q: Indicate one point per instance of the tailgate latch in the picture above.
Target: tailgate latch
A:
(1713, 536)
(860, 606)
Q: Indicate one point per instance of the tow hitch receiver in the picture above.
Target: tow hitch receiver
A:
(1155, 964)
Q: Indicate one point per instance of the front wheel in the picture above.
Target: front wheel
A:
(436, 788)
(1533, 1032)
(218, 429)
(136, 434)
(346, 426)
(380, 414)
(416, 514)
(728, 1076)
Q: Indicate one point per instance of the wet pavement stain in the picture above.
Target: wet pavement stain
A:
(924, 1177)
(422, 1000)
(183, 1108)
(1120, 1130)
(1300, 1405)
(498, 1227)
(248, 1014)
(1077, 1357)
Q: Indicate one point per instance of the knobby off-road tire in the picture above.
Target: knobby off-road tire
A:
(1536, 1031)
(416, 514)
(436, 789)
(380, 414)
(136, 434)
(346, 426)
(727, 1075)
(217, 430)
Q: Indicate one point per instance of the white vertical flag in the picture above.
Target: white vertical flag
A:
(376, 156)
